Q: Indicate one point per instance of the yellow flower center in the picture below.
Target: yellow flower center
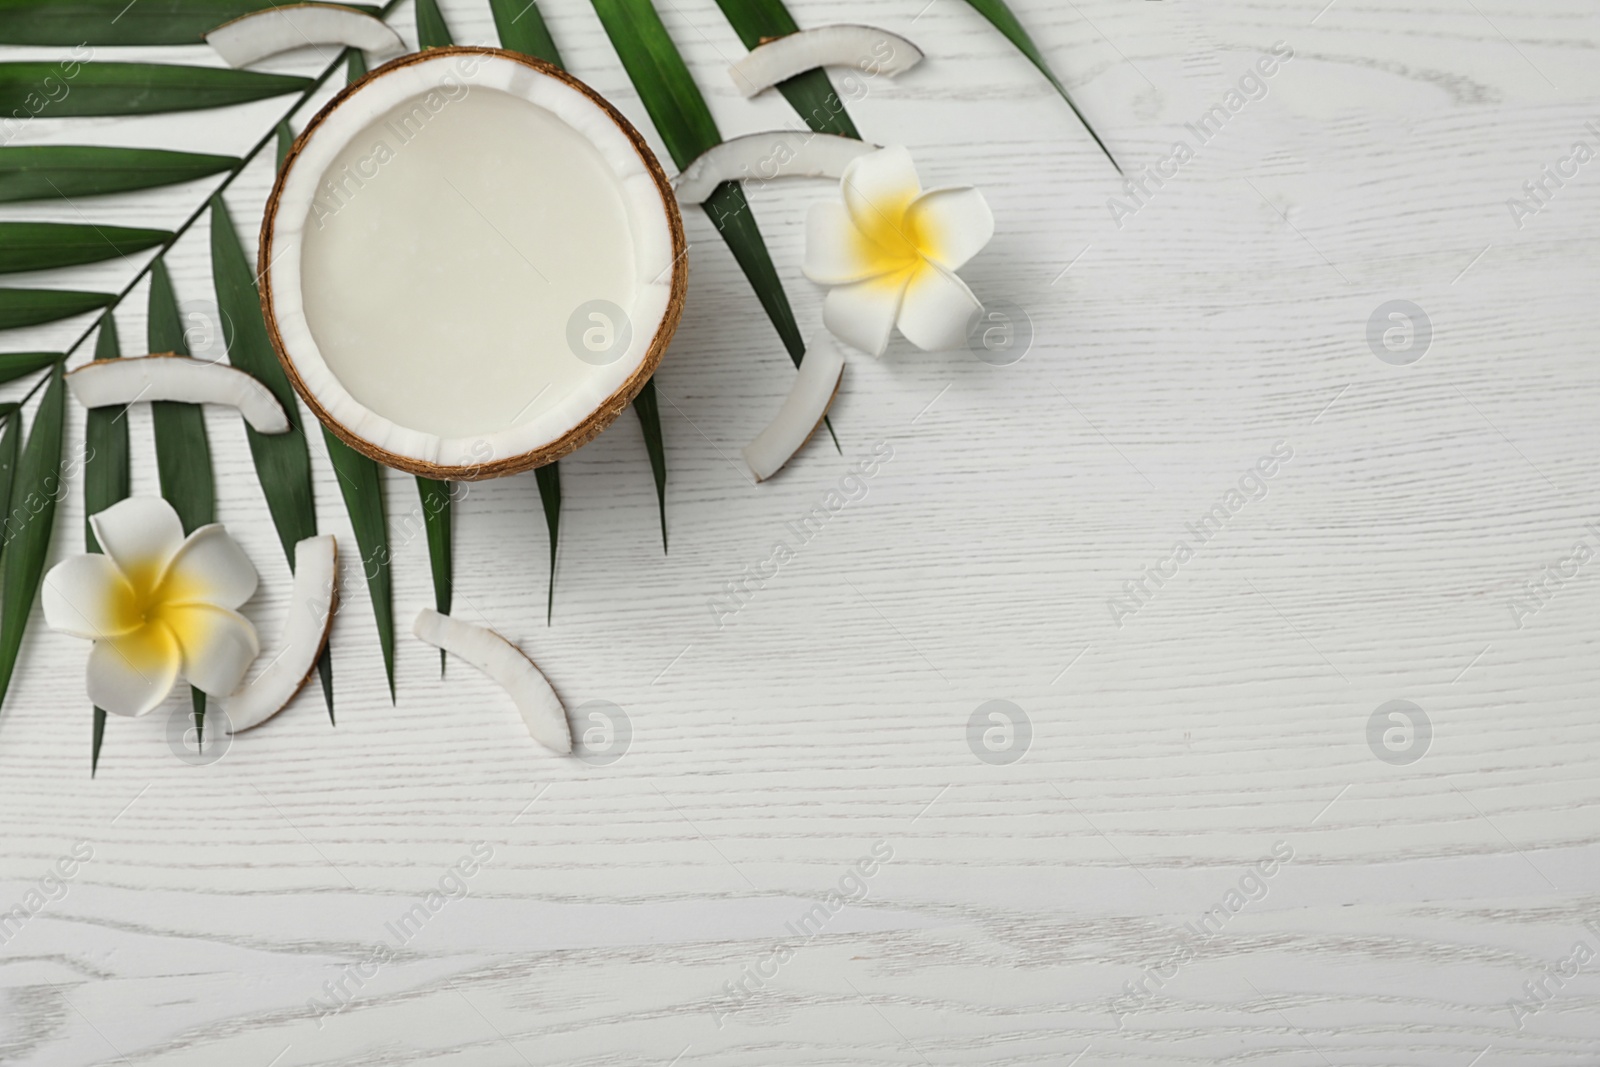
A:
(148, 649)
(144, 609)
(126, 604)
(891, 239)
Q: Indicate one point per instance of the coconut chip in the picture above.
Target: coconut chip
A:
(763, 156)
(866, 48)
(821, 373)
(106, 382)
(492, 654)
(305, 634)
(254, 37)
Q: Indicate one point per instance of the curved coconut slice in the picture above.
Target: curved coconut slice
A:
(803, 409)
(504, 662)
(764, 156)
(474, 263)
(260, 34)
(165, 376)
(866, 48)
(305, 634)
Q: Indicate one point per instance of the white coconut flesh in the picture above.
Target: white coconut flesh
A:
(868, 49)
(764, 156)
(140, 379)
(256, 36)
(802, 412)
(305, 633)
(468, 258)
(504, 662)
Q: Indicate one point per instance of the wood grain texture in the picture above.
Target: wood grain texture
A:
(1226, 717)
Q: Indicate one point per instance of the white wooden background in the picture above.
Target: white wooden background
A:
(1167, 756)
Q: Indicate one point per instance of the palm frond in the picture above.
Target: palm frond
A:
(117, 22)
(107, 478)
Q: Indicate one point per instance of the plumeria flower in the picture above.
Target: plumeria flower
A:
(891, 252)
(156, 605)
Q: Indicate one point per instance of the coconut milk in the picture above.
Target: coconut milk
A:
(454, 258)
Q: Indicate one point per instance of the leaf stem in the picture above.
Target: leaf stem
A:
(40, 384)
(233, 173)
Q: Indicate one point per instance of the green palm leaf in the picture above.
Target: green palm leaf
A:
(549, 478)
(1008, 24)
(521, 28)
(117, 22)
(44, 245)
(812, 93)
(106, 88)
(435, 495)
(14, 365)
(361, 485)
(736, 223)
(106, 479)
(46, 172)
(29, 307)
(649, 409)
(285, 135)
(431, 29)
(10, 453)
(685, 124)
(282, 461)
(183, 452)
(524, 31)
(10, 459)
(436, 519)
(29, 519)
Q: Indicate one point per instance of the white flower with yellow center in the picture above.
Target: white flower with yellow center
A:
(891, 252)
(156, 605)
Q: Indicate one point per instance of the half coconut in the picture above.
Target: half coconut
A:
(470, 264)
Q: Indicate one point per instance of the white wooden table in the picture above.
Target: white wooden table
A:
(1047, 909)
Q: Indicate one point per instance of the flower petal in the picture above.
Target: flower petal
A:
(837, 253)
(879, 186)
(937, 310)
(952, 225)
(863, 314)
(140, 533)
(87, 596)
(132, 674)
(218, 645)
(209, 568)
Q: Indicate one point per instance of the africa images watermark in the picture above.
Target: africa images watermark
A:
(1540, 589)
(49, 889)
(414, 523)
(1553, 177)
(1552, 979)
(404, 928)
(797, 533)
(1252, 487)
(51, 89)
(338, 188)
(1251, 888)
(54, 486)
(851, 888)
(1252, 86)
